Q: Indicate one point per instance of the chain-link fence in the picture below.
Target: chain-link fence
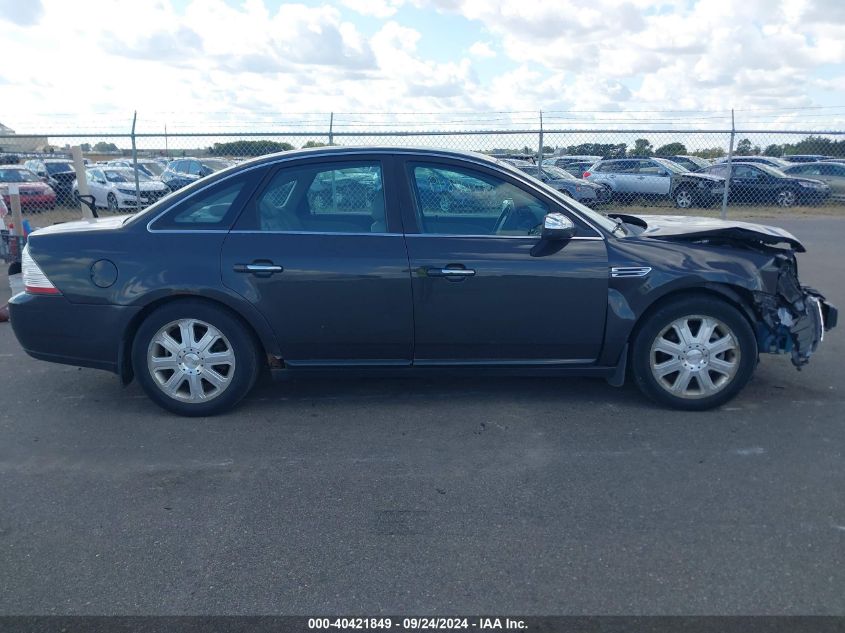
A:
(778, 171)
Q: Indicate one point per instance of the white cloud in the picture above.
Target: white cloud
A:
(482, 50)
(375, 8)
(212, 60)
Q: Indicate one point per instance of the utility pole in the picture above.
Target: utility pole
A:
(540, 147)
(331, 128)
(135, 164)
(727, 190)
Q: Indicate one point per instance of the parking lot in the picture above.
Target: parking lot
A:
(446, 495)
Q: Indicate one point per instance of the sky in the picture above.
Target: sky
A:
(230, 64)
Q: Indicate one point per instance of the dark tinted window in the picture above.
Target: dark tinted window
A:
(343, 197)
(832, 170)
(454, 201)
(213, 208)
(618, 167)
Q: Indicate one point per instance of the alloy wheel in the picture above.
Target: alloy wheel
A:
(683, 199)
(191, 360)
(695, 357)
(786, 198)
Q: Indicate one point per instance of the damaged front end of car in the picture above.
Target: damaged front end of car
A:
(793, 318)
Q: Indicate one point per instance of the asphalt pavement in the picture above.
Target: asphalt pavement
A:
(429, 495)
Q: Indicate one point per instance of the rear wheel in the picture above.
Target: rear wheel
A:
(694, 353)
(194, 359)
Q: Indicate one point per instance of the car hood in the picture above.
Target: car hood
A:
(697, 176)
(149, 185)
(681, 227)
(565, 182)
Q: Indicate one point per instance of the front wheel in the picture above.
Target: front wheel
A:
(194, 359)
(694, 354)
(684, 198)
(111, 200)
(786, 198)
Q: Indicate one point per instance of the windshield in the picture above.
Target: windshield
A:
(154, 168)
(673, 167)
(773, 171)
(58, 168)
(216, 165)
(124, 175)
(17, 175)
(596, 218)
(557, 172)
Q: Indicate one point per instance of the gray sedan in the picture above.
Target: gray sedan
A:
(585, 192)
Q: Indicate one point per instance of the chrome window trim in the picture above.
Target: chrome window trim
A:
(346, 152)
(501, 237)
(354, 233)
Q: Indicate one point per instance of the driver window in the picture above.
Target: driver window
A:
(453, 201)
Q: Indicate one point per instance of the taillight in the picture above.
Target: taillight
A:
(586, 174)
(34, 280)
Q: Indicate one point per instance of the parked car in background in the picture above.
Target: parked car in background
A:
(35, 194)
(777, 163)
(113, 188)
(521, 284)
(581, 190)
(690, 163)
(578, 168)
(757, 183)
(563, 161)
(184, 171)
(655, 178)
(804, 158)
(58, 173)
(830, 173)
(150, 168)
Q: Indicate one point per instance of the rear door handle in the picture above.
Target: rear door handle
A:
(259, 268)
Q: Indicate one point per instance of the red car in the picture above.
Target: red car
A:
(35, 194)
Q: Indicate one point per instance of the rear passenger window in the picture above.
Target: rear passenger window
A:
(343, 197)
(214, 208)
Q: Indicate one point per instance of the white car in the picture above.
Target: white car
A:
(151, 168)
(114, 188)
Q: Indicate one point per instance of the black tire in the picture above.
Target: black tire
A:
(111, 201)
(246, 353)
(660, 321)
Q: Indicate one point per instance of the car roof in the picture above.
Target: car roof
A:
(13, 166)
(372, 149)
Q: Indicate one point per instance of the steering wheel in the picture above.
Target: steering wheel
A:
(507, 208)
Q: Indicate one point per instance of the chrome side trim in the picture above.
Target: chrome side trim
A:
(630, 271)
(497, 362)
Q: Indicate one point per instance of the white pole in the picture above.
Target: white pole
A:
(15, 202)
(81, 179)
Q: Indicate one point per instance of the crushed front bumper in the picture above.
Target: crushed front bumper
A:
(794, 322)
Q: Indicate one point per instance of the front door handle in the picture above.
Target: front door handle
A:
(449, 272)
(259, 268)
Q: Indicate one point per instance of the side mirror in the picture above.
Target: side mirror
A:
(556, 226)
